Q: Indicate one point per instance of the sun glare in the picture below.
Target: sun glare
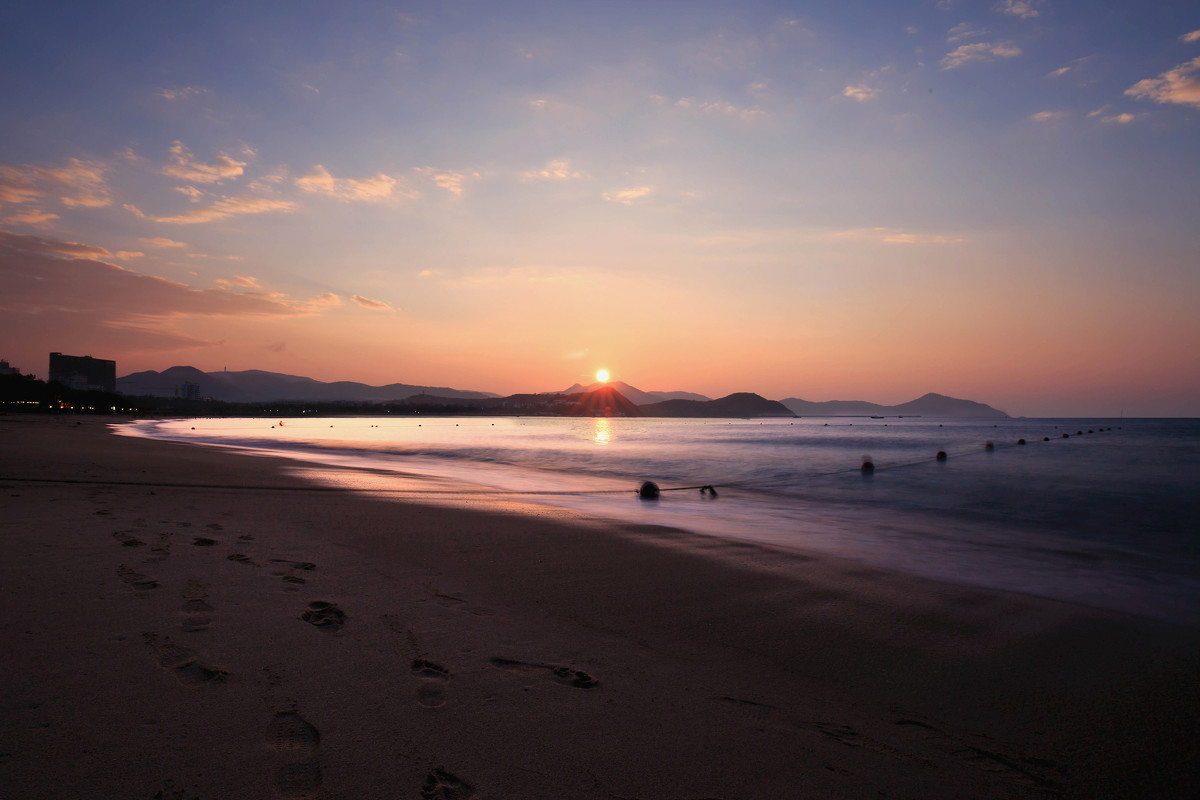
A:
(602, 375)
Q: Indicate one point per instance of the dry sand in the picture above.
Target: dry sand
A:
(181, 622)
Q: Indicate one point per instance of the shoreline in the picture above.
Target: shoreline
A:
(485, 653)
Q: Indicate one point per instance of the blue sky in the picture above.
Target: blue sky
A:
(994, 200)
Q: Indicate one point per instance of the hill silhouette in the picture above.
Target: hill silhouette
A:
(929, 405)
(256, 386)
(739, 404)
(635, 395)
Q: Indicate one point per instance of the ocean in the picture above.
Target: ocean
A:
(1102, 512)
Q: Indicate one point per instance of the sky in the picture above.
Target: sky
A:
(855, 200)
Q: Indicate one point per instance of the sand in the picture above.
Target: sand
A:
(182, 622)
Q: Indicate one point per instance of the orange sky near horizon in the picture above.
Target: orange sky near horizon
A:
(990, 201)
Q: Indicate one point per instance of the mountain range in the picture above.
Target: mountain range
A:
(257, 386)
(929, 405)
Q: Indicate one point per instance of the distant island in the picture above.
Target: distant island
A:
(189, 385)
(929, 405)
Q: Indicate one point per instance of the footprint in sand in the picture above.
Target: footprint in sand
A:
(298, 740)
(291, 581)
(203, 541)
(136, 580)
(195, 609)
(241, 558)
(183, 662)
(326, 616)
(442, 785)
(127, 540)
(564, 675)
(432, 692)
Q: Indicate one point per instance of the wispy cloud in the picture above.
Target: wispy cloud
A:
(78, 183)
(125, 255)
(238, 282)
(1179, 85)
(159, 241)
(979, 52)
(191, 193)
(861, 92)
(36, 219)
(1047, 116)
(556, 170)
(1194, 36)
(628, 196)
(181, 92)
(185, 166)
(1017, 8)
(447, 179)
(373, 305)
(372, 190)
(717, 108)
(964, 30)
(1119, 119)
(211, 257)
(222, 209)
(894, 236)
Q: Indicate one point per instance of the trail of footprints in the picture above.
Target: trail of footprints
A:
(293, 738)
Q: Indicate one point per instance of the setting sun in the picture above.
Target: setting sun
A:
(602, 375)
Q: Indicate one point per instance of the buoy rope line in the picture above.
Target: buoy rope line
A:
(707, 488)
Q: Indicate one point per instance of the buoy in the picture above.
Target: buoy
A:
(1079, 433)
(868, 468)
(989, 447)
(1066, 436)
(649, 491)
(941, 455)
(1045, 438)
(1020, 441)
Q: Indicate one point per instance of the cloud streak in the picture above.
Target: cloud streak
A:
(77, 184)
(979, 52)
(222, 209)
(628, 196)
(1179, 85)
(556, 170)
(185, 167)
(368, 303)
(371, 190)
(1017, 8)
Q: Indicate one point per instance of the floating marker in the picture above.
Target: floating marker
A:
(989, 447)
(1020, 441)
(1066, 436)
(941, 455)
(1045, 438)
(868, 468)
(649, 491)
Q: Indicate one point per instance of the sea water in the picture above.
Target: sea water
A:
(1102, 512)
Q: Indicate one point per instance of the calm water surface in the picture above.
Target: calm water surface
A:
(1108, 518)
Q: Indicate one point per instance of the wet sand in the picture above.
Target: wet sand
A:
(182, 622)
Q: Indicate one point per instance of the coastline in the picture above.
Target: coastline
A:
(520, 651)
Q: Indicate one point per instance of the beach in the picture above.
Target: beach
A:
(185, 622)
